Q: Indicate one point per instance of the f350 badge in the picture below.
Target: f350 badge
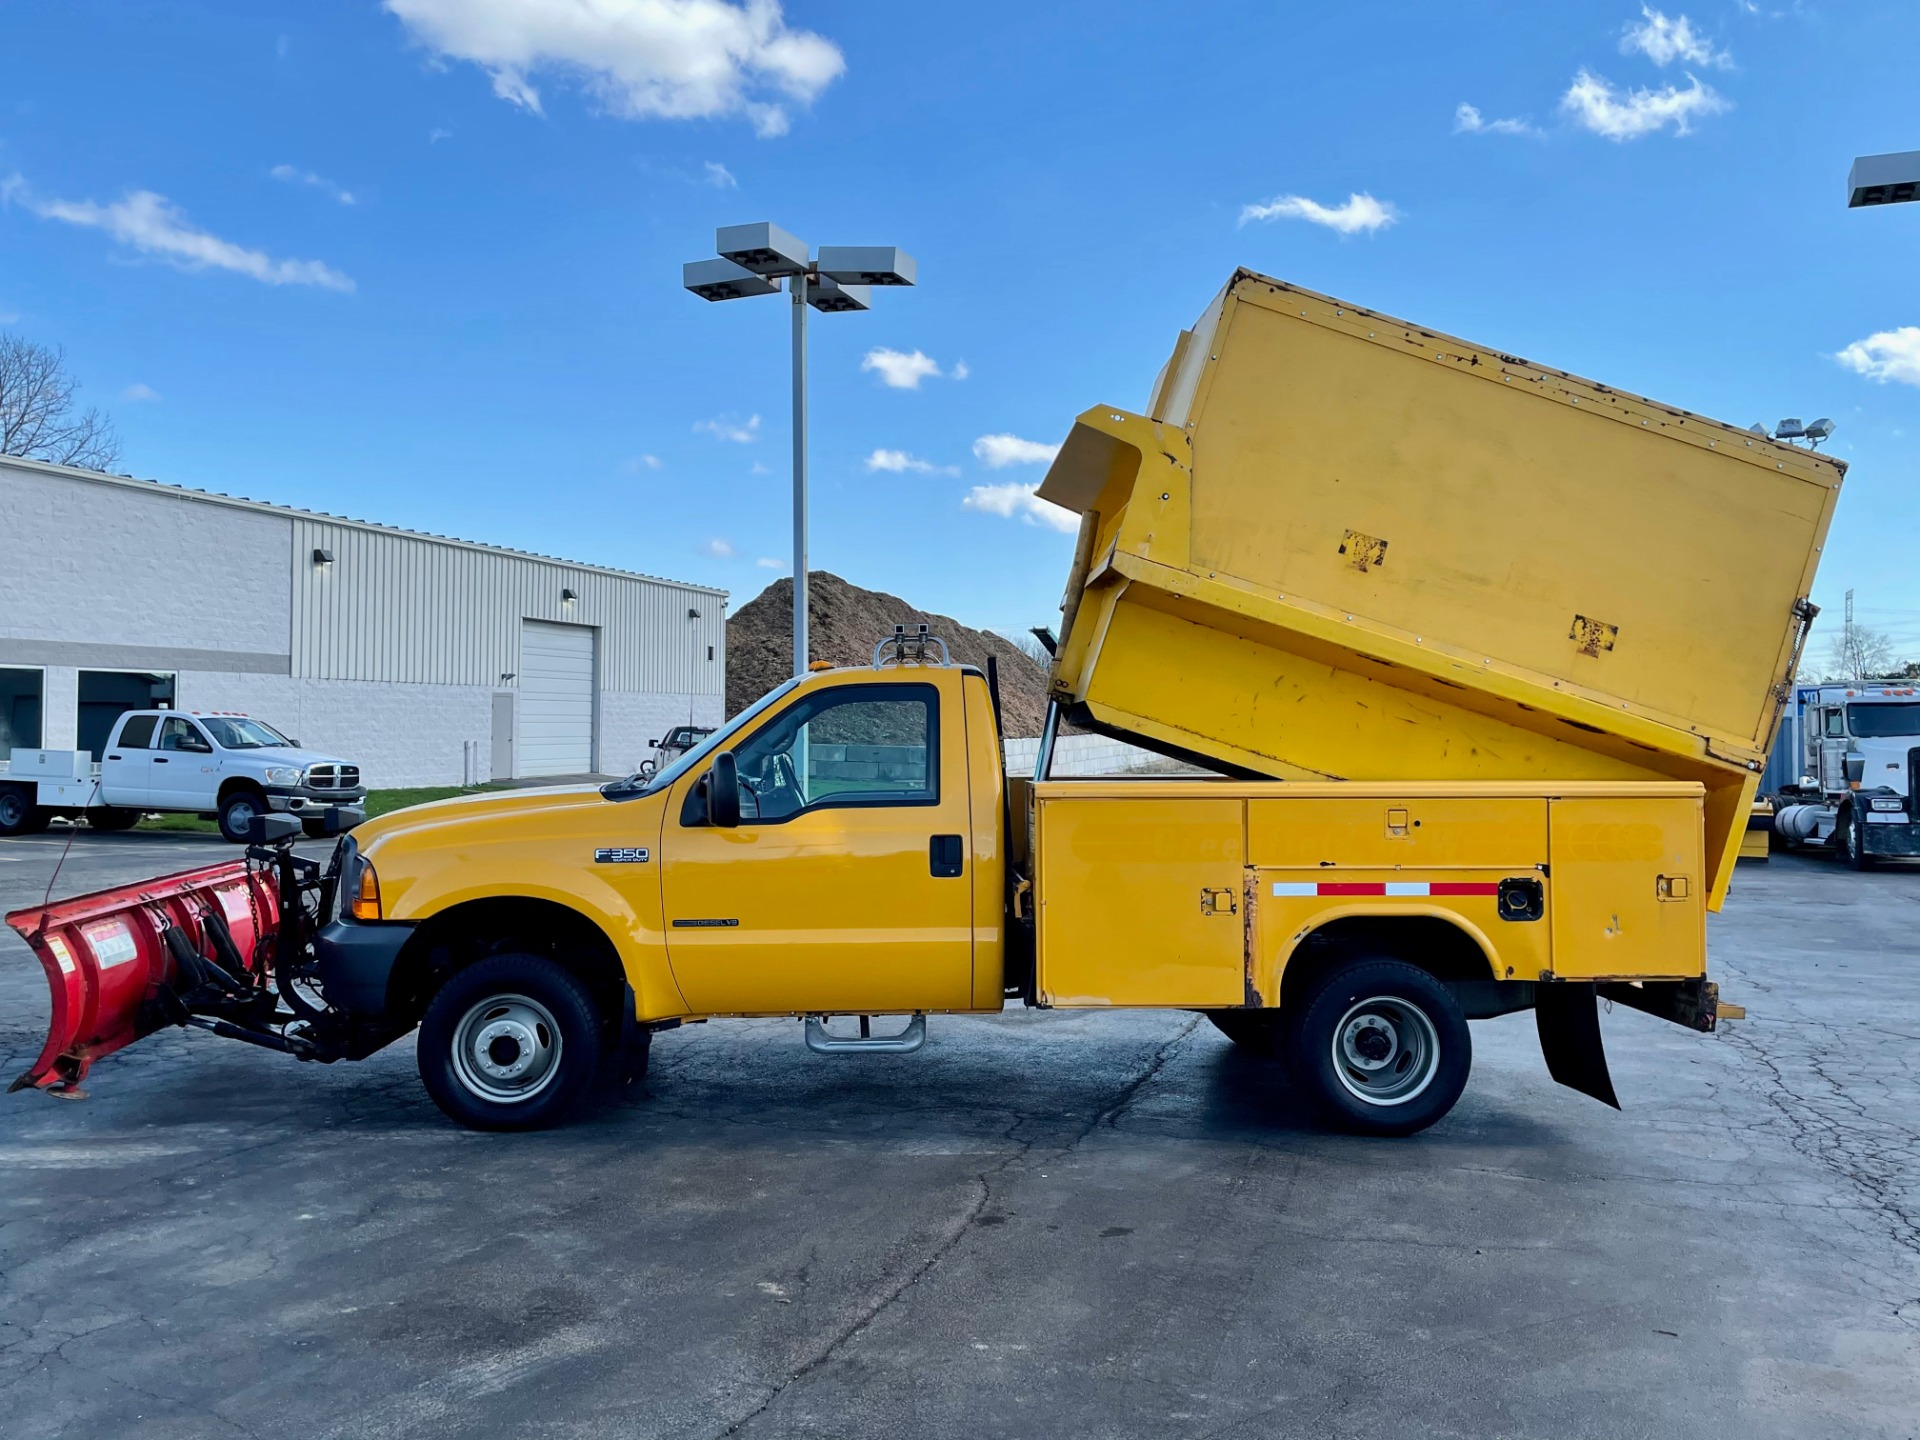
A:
(622, 855)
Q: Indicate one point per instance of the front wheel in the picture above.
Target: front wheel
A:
(237, 812)
(1382, 1047)
(510, 1043)
(1848, 842)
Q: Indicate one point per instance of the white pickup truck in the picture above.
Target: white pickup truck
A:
(225, 766)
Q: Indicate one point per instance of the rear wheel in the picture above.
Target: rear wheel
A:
(1382, 1047)
(109, 818)
(18, 814)
(1255, 1031)
(237, 812)
(510, 1043)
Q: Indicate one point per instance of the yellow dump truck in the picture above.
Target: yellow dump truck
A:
(1485, 659)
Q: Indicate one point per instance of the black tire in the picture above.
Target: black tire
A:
(510, 1043)
(1848, 843)
(237, 812)
(18, 814)
(108, 819)
(1255, 1031)
(314, 829)
(1381, 1047)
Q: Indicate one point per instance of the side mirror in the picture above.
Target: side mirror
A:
(1856, 768)
(723, 791)
(653, 744)
(292, 744)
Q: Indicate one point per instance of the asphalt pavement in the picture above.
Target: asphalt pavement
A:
(1051, 1223)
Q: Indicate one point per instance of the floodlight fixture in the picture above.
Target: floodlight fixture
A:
(1758, 429)
(1821, 429)
(764, 249)
(753, 260)
(1884, 180)
(1789, 430)
(724, 280)
(830, 297)
(867, 265)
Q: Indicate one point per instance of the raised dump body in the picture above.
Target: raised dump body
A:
(1343, 547)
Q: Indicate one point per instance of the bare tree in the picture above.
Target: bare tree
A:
(1859, 652)
(38, 420)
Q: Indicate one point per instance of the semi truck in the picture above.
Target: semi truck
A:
(1482, 660)
(221, 764)
(1847, 757)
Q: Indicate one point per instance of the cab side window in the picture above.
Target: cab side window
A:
(178, 734)
(137, 734)
(854, 745)
(1836, 722)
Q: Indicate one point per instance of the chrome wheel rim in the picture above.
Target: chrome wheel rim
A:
(240, 814)
(506, 1049)
(1386, 1050)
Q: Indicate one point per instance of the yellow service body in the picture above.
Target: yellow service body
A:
(1180, 893)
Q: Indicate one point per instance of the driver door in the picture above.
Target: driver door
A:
(182, 775)
(838, 892)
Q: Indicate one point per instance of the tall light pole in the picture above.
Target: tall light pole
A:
(753, 260)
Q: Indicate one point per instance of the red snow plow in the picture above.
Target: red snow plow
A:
(223, 948)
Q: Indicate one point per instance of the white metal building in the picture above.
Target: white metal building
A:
(426, 660)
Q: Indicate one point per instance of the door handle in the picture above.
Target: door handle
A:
(946, 858)
(159, 759)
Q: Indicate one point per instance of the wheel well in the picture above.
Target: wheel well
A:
(1439, 947)
(228, 788)
(458, 937)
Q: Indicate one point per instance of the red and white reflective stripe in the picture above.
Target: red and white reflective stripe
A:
(1420, 888)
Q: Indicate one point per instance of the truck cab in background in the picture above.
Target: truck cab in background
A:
(1851, 750)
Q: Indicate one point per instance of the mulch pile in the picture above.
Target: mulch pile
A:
(844, 623)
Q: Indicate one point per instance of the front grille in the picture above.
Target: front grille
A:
(334, 777)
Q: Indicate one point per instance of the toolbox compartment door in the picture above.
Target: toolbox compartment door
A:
(1629, 877)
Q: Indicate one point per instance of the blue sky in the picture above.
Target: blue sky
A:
(419, 262)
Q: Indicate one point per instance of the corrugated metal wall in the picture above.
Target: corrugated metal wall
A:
(407, 609)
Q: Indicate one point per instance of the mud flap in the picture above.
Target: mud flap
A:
(1568, 1016)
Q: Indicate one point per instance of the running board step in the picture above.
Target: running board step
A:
(822, 1041)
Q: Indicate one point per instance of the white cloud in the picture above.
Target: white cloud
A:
(899, 462)
(671, 59)
(997, 452)
(1627, 115)
(318, 182)
(759, 469)
(1467, 120)
(727, 428)
(1361, 212)
(719, 549)
(155, 226)
(1013, 499)
(720, 177)
(1886, 355)
(767, 562)
(904, 370)
(436, 135)
(137, 392)
(1664, 41)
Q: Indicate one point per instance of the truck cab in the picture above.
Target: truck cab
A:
(1857, 747)
(223, 764)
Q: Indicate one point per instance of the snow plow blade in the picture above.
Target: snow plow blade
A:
(123, 963)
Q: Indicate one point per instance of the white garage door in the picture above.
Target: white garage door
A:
(556, 699)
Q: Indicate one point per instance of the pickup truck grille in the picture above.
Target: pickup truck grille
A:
(334, 777)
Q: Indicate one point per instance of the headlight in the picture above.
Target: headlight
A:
(285, 775)
(1879, 804)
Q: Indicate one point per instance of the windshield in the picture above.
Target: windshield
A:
(636, 785)
(1874, 722)
(230, 733)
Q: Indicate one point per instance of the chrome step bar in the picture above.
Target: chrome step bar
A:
(822, 1041)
